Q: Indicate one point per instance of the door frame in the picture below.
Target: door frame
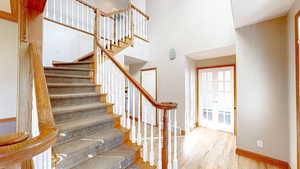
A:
(234, 87)
(141, 82)
(297, 86)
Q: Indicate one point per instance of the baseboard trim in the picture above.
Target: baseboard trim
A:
(262, 158)
(7, 120)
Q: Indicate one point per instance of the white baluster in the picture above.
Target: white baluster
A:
(160, 123)
(67, 12)
(124, 26)
(152, 139)
(47, 9)
(128, 105)
(78, 16)
(175, 162)
(61, 10)
(169, 141)
(133, 129)
(82, 17)
(145, 146)
(72, 13)
(123, 103)
(110, 81)
(139, 133)
(87, 18)
(54, 10)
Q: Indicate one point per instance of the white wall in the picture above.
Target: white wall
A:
(188, 27)
(110, 5)
(64, 44)
(292, 86)
(8, 68)
(262, 89)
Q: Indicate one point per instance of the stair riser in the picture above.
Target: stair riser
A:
(70, 90)
(78, 115)
(75, 101)
(67, 80)
(69, 72)
(82, 156)
(87, 66)
(89, 59)
(73, 135)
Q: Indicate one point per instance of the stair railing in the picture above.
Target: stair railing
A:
(141, 114)
(139, 111)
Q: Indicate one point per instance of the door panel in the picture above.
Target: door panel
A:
(216, 98)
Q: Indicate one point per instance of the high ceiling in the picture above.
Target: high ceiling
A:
(247, 12)
(5, 6)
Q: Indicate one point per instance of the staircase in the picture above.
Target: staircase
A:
(89, 134)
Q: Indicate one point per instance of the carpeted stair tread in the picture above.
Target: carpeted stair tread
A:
(78, 151)
(75, 95)
(118, 158)
(100, 137)
(83, 123)
(68, 69)
(70, 109)
(67, 76)
(71, 85)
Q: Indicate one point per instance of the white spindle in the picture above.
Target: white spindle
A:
(123, 102)
(47, 9)
(110, 81)
(78, 16)
(175, 162)
(87, 18)
(159, 165)
(54, 10)
(61, 11)
(67, 12)
(152, 139)
(128, 104)
(72, 13)
(133, 129)
(145, 146)
(169, 141)
(124, 26)
(139, 133)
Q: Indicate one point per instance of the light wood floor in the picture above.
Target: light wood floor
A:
(209, 149)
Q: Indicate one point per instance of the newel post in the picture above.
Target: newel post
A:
(165, 140)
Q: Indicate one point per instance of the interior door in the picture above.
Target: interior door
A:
(216, 98)
(148, 81)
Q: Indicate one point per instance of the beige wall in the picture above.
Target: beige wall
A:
(8, 68)
(292, 86)
(225, 60)
(262, 88)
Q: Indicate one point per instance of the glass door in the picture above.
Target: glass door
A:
(216, 98)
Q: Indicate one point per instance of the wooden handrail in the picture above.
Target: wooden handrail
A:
(13, 138)
(163, 106)
(86, 4)
(24, 150)
(42, 96)
(139, 11)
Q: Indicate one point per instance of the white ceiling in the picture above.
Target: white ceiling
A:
(213, 53)
(5, 6)
(247, 12)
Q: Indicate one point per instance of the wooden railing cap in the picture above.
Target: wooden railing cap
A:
(13, 138)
